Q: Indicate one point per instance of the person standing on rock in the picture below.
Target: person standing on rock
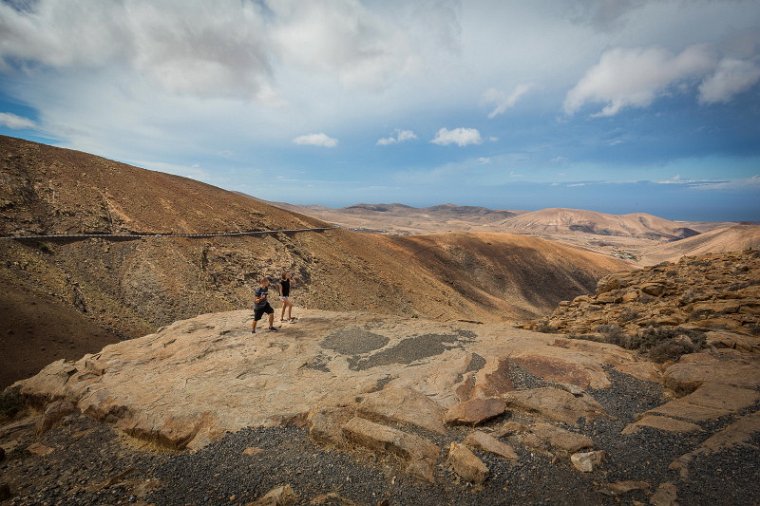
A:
(285, 284)
(261, 305)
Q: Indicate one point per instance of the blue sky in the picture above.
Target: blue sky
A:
(612, 105)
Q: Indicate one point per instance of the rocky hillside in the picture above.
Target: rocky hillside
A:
(672, 308)
(99, 291)
(354, 408)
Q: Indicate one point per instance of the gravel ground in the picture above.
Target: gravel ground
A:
(92, 465)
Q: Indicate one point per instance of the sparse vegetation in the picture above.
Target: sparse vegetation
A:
(660, 343)
(10, 403)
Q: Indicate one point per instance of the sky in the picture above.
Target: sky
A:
(611, 105)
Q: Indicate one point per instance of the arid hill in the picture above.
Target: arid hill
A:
(98, 290)
(720, 240)
(401, 219)
(636, 238)
(638, 225)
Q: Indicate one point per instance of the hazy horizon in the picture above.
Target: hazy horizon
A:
(630, 106)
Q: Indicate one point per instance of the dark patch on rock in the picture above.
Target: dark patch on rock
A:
(406, 351)
(476, 363)
(354, 341)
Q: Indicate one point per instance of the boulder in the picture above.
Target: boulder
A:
(466, 464)
(475, 411)
(665, 495)
(555, 404)
(716, 307)
(419, 454)
(732, 340)
(403, 405)
(251, 451)
(653, 289)
(586, 462)
(558, 438)
(488, 443)
(280, 496)
(608, 298)
(723, 366)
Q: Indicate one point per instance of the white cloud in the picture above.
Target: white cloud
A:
(196, 48)
(320, 139)
(750, 183)
(502, 101)
(14, 122)
(636, 77)
(730, 78)
(400, 136)
(459, 136)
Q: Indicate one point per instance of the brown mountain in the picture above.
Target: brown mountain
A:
(64, 298)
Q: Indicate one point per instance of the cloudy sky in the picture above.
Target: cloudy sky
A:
(613, 105)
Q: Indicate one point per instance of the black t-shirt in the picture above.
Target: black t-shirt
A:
(285, 287)
(259, 293)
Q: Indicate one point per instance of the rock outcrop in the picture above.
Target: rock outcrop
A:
(671, 309)
(196, 379)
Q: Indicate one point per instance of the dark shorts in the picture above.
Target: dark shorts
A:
(258, 312)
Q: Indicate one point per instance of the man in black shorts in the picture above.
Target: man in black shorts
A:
(261, 305)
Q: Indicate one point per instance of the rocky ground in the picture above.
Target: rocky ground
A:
(352, 408)
(672, 308)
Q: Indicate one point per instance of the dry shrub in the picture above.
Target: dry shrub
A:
(660, 343)
(10, 403)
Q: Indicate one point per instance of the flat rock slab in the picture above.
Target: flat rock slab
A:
(466, 464)
(192, 381)
(403, 405)
(555, 404)
(708, 402)
(663, 423)
(419, 454)
(587, 462)
(728, 367)
(556, 438)
(488, 443)
(475, 411)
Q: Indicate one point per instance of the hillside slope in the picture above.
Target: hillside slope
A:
(109, 290)
(638, 225)
(720, 240)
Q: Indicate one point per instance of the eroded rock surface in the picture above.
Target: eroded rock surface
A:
(193, 380)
